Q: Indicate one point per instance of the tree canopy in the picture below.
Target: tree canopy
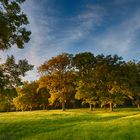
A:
(96, 80)
(59, 77)
(12, 24)
(68, 80)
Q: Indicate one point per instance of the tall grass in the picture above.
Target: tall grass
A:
(79, 124)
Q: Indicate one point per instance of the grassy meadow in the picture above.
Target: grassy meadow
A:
(76, 124)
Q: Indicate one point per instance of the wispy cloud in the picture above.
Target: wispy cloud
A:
(50, 37)
(78, 27)
(119, 38)
(53, 34)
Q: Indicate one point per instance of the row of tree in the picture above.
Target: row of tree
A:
(95, 80)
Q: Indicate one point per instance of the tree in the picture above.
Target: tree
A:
(84, 63)
(86, 88)
(12, 72)
(12, 33)
(133, 81)
(43, 98)
(87, 92)
(12, 24)
(30, 96)
(6, 100)
(2, 78)
(10, 77)
(109, 78)
(59, 77)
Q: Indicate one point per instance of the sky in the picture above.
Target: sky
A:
(73, 26)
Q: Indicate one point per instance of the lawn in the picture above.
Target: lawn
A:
(78, 124)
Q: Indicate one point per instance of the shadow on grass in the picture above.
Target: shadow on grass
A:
(16, 131)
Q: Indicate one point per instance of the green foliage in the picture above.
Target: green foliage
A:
(133, 81)
(6, 99)
(10, 77)
(85, 63)
(12, 25)
(12, 72)
(12, 33)
(100, 78)
(108, 73)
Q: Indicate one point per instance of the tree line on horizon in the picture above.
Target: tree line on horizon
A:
(96, 80)
(70, 81)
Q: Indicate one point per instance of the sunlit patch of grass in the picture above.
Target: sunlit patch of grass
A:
(78, 124)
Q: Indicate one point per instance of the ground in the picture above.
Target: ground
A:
(76, 124)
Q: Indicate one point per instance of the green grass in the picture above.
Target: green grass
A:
(78, 124)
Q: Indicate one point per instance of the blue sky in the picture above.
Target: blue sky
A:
(99, 26)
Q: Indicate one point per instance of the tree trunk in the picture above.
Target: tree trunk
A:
(138, 106)
(94, 106)
(44, 107)
(63, 106)
(111, 107)
(91, 107)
